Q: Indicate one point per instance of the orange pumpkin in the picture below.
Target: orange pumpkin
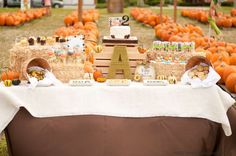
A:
(234, 21)
(87, 18)
(228, 70)
(220, 56)
(208, 55)
(233, 59)
(9, 75)
(231, 82)
(220, 70)
(68, 20)
(97, 74)
(10, 20)
(78, 25)
(2, 20)
(227, 22)
(233, 12)
(88, 67)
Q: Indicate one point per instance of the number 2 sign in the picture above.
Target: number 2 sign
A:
(119, 21)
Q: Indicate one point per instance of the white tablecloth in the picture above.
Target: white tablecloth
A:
(135, 100)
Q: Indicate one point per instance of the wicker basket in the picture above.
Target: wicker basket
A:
(39, 62)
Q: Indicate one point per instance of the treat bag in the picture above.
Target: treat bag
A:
(50, 76)
(212, 78)
(49, 80)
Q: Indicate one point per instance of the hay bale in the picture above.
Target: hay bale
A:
(61, 69)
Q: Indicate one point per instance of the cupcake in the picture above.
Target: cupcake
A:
(31, 41)
(43, 41)
(50, 40)
(57, 38)
(61, 40)
(38, 39)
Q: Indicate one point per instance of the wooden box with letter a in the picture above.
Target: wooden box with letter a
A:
(102, 61)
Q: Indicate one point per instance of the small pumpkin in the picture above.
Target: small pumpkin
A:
(97, 74)
(8, 83)
(98, 49)
(16, 82)
(137, 78)
(101, 79)
(9, 75)
(172, 79)
(142, 50)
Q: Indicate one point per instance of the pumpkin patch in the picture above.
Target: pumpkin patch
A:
(221, 54)
(222, 20)
(21, 17)
(88, 16)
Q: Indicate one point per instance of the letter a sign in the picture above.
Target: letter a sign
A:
(119, 61)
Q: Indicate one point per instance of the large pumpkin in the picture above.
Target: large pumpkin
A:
(228, 70)
(10, 20)
(233, 59)
(231, 82)
(227, 22)
(220, 70)
(87, 18)
(220, 56)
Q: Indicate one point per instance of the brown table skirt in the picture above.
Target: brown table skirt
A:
(114, 136)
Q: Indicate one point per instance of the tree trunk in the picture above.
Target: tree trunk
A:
(140, 3)
(234, 3)
(80, 10)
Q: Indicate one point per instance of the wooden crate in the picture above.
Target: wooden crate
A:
(102, 60)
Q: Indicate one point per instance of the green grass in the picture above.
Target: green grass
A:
(3, 147)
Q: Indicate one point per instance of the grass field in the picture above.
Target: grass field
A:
(47, 25)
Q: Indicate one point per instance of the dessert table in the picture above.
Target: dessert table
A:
(103, 120)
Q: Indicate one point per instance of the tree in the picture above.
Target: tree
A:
(140, 3)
